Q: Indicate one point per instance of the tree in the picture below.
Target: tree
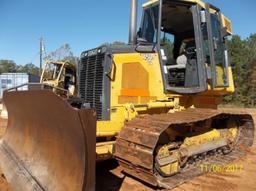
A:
(243, 62)
(168, 46)
(28, 68)
(252, 84)
(62, 53)
(7, 66)
(238, 59)
(251, 68)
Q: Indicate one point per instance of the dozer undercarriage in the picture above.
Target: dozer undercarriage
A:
(167, 150)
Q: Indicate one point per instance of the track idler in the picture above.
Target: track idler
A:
(48, 145)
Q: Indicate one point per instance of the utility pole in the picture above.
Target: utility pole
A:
(41, 54)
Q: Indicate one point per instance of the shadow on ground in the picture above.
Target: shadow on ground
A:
(105, 180)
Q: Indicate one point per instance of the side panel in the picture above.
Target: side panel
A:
(138, 79)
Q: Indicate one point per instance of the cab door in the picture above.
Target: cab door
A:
(217, 48)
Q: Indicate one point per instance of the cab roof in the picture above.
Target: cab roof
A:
(201, 3)
(66, 63)
(226, 22)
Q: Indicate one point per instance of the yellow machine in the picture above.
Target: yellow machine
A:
(156, 101)
(61, 75)
(178, 61)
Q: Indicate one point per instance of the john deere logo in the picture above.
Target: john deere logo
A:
(148, 57)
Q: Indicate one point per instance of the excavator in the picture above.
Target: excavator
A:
(151, 104)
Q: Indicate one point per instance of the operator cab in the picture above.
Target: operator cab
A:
(191, 43)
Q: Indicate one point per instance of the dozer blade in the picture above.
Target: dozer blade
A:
(48, 145)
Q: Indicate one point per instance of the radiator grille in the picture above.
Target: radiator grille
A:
(91, 81)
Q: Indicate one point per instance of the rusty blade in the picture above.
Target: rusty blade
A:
(48, 145)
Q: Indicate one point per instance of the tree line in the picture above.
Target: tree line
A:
(9, 66)
(243, 61)
(62, 53)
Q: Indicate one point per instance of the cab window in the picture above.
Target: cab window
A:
(150, 24)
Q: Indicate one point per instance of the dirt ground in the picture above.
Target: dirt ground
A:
(241, 180)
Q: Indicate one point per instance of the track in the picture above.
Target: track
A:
(240, 180)
(136, 144)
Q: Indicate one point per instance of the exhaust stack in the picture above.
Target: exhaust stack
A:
(133, 22)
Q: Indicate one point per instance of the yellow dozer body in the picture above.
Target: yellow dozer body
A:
(156, 101)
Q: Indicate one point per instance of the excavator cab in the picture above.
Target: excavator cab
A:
(192, 44)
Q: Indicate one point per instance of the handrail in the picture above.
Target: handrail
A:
(41, 85)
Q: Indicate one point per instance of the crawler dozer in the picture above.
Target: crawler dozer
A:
(156, 101)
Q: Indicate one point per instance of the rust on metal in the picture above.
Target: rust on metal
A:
(136, 144)
(48, 145)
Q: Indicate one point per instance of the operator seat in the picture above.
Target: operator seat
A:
(182, 61)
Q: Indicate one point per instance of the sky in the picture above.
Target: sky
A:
(85, 24)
